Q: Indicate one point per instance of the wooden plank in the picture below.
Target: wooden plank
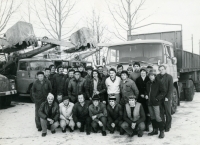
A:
(59, 43)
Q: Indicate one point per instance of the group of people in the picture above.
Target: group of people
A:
(121, 100)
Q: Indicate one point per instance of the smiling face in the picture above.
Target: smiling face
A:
(77, 75)
(124, 76)
(136, 67)
(80, 68)
(100, 69)
(81, 98)
(132, 102)
(40, 77)
(112, 74)
(60, 70)
(95, 74)
(112, 102)
(71, 74)
(66, 102)
(143, 73)
(119, 70)
(50, 99)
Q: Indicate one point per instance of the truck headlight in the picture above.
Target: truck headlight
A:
(13, 86)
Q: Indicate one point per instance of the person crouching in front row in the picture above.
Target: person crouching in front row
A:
(49, 114)
(98, 113)
(81, 114)
(66, 115)
(134, 118)
(115, 116)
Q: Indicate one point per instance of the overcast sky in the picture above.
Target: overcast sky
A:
(185, 12)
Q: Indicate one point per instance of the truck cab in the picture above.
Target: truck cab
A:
(27, 73)
(147, 52)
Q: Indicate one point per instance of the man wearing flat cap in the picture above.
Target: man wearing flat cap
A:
(134, 118)
(66, 118)
(40, 89)
(98, 113)
(77, 85)
(49, 115)
(115, 115)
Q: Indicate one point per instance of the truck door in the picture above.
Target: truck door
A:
(171, 68)
(22, 76)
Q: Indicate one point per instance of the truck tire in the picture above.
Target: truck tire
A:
(174, 101)
(31, 96)
(8, 100)
(189, 93)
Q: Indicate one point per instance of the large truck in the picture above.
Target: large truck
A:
(155, 49)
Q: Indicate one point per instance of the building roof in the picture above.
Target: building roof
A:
(138, 41)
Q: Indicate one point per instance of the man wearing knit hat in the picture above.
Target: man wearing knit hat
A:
(49, 115)
(98, 113)
(134, 75)
(115, 115)
(134, 118)
(40, 89)
(66, 115)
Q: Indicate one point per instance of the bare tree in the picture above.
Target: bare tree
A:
(96, 23)
(126, 15)
(53, 15)
(7, 9)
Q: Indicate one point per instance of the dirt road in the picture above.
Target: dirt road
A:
(18, 128)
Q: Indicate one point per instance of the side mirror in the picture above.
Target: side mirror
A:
(174, 60)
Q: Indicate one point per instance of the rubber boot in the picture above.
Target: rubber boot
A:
(155, 128)
(161, 128)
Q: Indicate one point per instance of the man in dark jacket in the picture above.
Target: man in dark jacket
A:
(127, 88)
(165, 106)
(95, 86)
(134, 118)
(155, 92)
(115, 115)
(141, 85)
(98, 113)
(77, 86)
(40, 89)
(88, 77)
(82, 71)
(81, 114)
(49, 114)
(70, 76)
(59, 81)
(52, 73)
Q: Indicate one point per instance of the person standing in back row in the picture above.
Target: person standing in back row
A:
(41, 88)
(113, 85)
(136, 73)
(165, 106)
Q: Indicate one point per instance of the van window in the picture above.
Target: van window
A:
(23, 66)
(40, 65)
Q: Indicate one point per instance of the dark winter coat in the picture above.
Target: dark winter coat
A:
(45, 109)
(167, 82)
(58, 83)
(114, 115)
(141, 85)
(155, 92)
(100, 111)
(101, 87)
(75, 88)
(80, 113)
(66, 86)
(41, 90)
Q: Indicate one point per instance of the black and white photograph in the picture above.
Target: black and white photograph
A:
(99, 72)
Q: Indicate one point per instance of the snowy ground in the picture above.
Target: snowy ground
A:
(18, 128)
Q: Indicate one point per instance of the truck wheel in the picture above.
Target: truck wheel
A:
(189, 93)
(174, 101)
(8, 100)
(31, 96)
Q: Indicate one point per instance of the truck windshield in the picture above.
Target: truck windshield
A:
(39, 65)
(151, 52)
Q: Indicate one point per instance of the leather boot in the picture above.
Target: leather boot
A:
(155, 128)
